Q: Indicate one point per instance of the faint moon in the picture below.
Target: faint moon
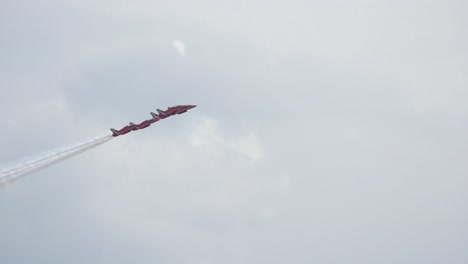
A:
(180, 46)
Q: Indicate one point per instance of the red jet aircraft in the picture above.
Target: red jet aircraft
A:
(143, 124)
(170, 111)
(185, 108)
(124, 130)
(155, 117)
(175, 110)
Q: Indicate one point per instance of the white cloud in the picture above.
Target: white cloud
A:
(209, 138)
(249, 146)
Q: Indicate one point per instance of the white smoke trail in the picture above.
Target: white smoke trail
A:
(24, 164)
(26, 167)
(45, 159)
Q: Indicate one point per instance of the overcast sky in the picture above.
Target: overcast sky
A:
(325, 132)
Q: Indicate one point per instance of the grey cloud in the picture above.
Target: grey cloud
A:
(355, 114)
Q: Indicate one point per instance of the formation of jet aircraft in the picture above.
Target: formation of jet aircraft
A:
(175, 110)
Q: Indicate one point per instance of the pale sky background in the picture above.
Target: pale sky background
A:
(325, 132)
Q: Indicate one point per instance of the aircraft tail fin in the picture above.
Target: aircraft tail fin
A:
(155, 116)
(114, 132)
(161, 112)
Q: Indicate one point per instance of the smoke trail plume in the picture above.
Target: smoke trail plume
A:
(28, 166)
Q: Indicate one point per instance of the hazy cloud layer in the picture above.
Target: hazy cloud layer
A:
(325, 132)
